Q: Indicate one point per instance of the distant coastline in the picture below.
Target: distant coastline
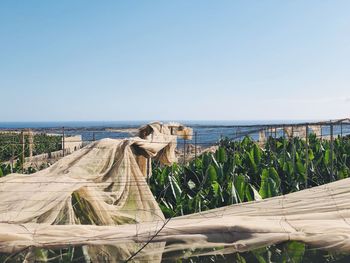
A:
(130, 124)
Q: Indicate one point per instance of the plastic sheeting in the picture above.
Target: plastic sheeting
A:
(101, 184)
(98, 198)
(318, 216)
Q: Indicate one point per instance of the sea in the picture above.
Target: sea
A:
(207, 132)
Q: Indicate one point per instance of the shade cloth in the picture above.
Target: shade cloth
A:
(42, 210)
(101, 184)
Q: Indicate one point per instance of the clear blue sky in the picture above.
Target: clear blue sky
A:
(184, 60)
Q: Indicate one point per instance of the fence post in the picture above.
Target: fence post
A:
(306, 155)
(341, 130)
(284, 143)
(268, 142)
(184, 162)
(13, 153)
(30, 135)
(195, 146)
(63, 142)
(234, 168)
(93, 136)
(293, 150)
(331, 152)
(23, 150)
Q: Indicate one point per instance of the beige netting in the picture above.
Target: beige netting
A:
(120, 214)
(101, 184)
(318, 216)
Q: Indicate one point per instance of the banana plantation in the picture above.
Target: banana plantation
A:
(242, 171)
(13, 145)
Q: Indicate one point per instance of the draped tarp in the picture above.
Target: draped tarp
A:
(101, 184)
(98, 198)
(319, 216)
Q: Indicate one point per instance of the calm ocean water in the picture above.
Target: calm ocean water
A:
(126, 124)
(208, 132)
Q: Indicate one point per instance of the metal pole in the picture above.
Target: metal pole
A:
(306, 155)
(341, 129)
(184, 151)
(23, 149)
(331, 153)
(284, 143)
(13, 153)
(30, 142)
(63, 146)
(195, 146)
(293, 150)
(234, 168)
(93, 136)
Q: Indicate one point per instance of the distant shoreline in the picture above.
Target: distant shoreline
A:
(133, 124)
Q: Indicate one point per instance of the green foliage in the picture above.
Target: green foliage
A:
(287, 252)
(270, 183)
(10, 145)
(293, 252)
(241, 171)
(6, 169)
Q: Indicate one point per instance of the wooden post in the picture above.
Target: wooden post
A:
(195, 145)
(184, 162)
(234, 165)
(63, 141)
(23, 150)
(341, 129)
(306, 155)
(331, 152)
(13, 153)
(275, 144)
(184, 152)
(284, 143)
(293, 150)
(30, 142)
